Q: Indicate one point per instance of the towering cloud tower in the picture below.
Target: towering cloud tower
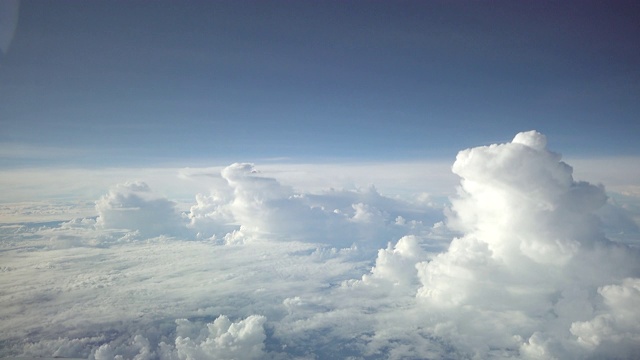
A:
(532, 272)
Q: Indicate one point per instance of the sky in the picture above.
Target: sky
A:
(112, 82)
(319, 180)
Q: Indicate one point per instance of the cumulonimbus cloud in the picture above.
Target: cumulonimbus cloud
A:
(531, 246)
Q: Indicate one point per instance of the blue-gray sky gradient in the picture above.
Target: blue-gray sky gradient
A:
(133, 82)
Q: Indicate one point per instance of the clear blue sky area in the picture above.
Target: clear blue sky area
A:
(368, 80)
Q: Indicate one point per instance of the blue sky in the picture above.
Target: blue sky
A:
(120, 82)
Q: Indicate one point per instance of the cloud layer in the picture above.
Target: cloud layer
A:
(518, 266)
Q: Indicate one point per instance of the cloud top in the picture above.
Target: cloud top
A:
(532, 139)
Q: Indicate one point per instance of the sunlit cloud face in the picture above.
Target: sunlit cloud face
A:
(529, 249)
(518, 265)
(133, 206)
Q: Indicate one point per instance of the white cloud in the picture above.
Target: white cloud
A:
(262, 206)
(220, 339)
(614, 331)
(133, 206)
(395, 265)
(531, 245)
(519, 268)
(223, 340)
